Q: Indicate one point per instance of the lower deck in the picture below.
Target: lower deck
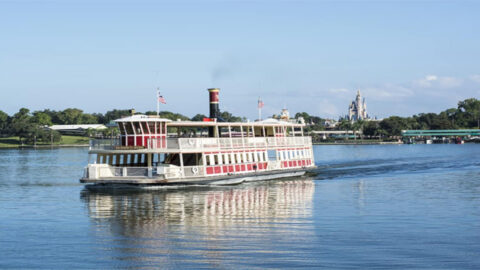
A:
(184, 166)
(216, 180)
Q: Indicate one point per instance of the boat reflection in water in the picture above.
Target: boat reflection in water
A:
(202, 225)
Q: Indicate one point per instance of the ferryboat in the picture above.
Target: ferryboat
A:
(153, 152)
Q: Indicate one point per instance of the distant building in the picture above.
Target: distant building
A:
(357, 109)
(285, 115)
(76, 129)
(329, 123)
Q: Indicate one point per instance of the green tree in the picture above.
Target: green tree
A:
(345, 125)
(71, 116)
(228, 117)
(451, 113)
(199, 117)
(371, 128)
(393, 126)
(87, 118)
(42, 118)
(115, 114)
(50, 136)
(21, 125)
(358, 126)
(4, 119)
(470, 112)
(111, 132)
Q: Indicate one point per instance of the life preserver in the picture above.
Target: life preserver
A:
(195, 170)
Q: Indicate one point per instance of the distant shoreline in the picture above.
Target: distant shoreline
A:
(66, 141)
(354, 143)
(43, 146)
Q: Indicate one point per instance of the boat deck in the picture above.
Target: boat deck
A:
(224, 179)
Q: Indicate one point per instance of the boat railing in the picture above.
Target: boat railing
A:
(193, 171)
(203, 144)
(111, 171)
(96, 171)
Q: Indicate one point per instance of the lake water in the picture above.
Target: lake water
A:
(378, 206)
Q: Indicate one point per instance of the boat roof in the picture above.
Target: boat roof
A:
(264, 123)
(154, 118)
(142, 118)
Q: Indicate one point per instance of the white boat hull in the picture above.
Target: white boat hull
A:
(229, 180)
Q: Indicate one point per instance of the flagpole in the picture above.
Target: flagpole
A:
(259, 110)
(158, 101)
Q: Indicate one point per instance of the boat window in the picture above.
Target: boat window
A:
(272, 155)
(144, 127)
(128, 128)
(226, 159)
(219, 159)
(151, 126)
(260, 156)
(232, 157)
(121, 128)
(250, 158)
(173, 159)
(211, 159)
(255, 157)
(269, 131)
(192, 159)
(258, 132)
(136, 125)
(248, 131)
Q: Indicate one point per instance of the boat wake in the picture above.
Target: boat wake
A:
(381, 167)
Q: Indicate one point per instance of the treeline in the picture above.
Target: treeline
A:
(30, 126)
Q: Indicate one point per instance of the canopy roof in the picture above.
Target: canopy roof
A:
(143, 118)
(270, 122)
(275, 123)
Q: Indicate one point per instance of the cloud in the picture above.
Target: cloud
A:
(327, 108)
(434, 81)
(475, 78)
(339, 90)
(387, 91)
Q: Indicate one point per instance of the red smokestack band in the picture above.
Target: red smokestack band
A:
(214, 95)
(214, 110)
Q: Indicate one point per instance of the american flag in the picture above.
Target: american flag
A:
(161, 99)
(260, 103)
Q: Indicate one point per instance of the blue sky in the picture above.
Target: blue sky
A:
(406, 57)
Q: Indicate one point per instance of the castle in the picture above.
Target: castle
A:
(357, 109)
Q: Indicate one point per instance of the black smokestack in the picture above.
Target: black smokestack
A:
(214, 110)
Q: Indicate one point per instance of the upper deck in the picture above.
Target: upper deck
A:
(141, 133)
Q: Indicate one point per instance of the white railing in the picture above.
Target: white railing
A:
(205, 144)
(193, 171)
(123, 171)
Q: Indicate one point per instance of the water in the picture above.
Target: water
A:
(392, 206)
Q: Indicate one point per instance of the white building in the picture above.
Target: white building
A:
(76, 129)
(357, 109)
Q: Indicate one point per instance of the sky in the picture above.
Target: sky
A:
(406, 57)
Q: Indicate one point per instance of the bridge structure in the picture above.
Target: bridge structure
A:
(441, 133)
